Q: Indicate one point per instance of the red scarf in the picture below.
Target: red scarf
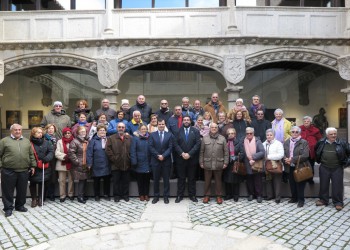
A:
(66, 141)
(179, 121)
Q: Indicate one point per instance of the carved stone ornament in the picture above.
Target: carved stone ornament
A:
(2, 71)
(234, 68)
(107, 71)
(344, 67)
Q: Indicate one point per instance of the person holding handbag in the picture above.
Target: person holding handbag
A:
(233, 180)
(254, 153)
(296, 152)
(43, 153)
(274, 154)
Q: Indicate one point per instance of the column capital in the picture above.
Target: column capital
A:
(235, 89)
(111, 91)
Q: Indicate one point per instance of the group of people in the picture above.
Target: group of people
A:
(193, 140)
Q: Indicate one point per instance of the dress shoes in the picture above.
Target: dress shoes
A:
(228, 197)
(71, 198)
(106, 197)
(146, 198)
(320, 203)
(178, 199)
(34, 203)
(268, 198)
(193, 198)
(116, 199)
(219, 200)
(21, 209)
(250, 197)
(81, 200)
(8, 213)
(85, 198)
(206, 199)
(166, 200)
(126, 199)
(97, 198)
(155, 200)
(142, 198)
(338, 207)
(62, 199)
(235, 198)
(300, 204)
(278, 201)
(259, 199)
(292, 201)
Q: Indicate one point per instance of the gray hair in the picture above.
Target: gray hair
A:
(135, 112)
(255, 96)
(278, 110)
(330, 129)
(249, 129)
(270, 130)
(307, 118)
(15, 125)
(297, 128)
(185, 98)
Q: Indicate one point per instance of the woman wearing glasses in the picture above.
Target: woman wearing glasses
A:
(296, 148)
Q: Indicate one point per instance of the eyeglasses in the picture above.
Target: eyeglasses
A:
(121, 127)
(248, 133)
(215, 97)
(295, 132)
(164, 103)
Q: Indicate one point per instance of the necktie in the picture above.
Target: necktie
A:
(186, 133)
(161, 137)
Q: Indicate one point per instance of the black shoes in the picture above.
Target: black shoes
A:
(228, 197)
(300, 204)
(155, 200)
(126, 199)
(97, 198)
(193, 198)
(8, 213)
(62, 199)
(278, 201)
(116, 199)
(259, 199)
(250, 197)
(166, 200)
(71, 198)
(235, 198)
(81, 200)
(21, 209)
(292, 201)
(106, 197)
(177, 200)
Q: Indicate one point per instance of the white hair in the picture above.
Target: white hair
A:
(278, 110)
(330, 129)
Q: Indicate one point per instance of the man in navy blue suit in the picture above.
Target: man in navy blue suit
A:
(160, 146)
(187, 145)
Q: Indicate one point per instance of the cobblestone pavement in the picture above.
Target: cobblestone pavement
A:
(309, 227)
(22, 230)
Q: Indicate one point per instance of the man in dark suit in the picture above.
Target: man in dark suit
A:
(160, 146)
(187, 145)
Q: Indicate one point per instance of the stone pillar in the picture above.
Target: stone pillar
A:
(108, 31)
(232, 27)
(2, 71)
(347, 3)
(232, 94)
(111, 95)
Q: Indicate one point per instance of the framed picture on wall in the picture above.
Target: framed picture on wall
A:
(12, 116)
(34, 118)
(343, 117)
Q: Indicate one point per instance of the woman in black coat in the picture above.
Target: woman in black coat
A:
(43, 150)
(98, 162)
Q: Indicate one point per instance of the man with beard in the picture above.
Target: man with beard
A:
(164, 112)
(143, 107)
(187, 145)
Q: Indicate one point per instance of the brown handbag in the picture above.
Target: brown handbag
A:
(257, 166)
(239, 167)
(302, 171)
(273, 167)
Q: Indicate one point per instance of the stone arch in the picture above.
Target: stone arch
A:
(324, 59)
(171, 55)
(36, 60)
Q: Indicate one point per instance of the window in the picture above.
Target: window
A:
(203, 3)
(129, 4)
(90, 4)
(170, 4)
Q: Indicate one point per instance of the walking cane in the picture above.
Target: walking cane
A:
(42, 188)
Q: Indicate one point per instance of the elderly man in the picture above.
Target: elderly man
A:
(58, 117)
(333, 155)
(213, 158)
(186, 108)
(197, 110)
(214, 107)
(125, 107)
(164, 112)
(105, 109)
(143, 107)
(16, 158)
(255, 106)
(118, 153)
(175, 121)
(133, 125)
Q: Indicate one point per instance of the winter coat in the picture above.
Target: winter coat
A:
(60, 120)
(145, 110)
(214, 152)
(45, 152)
(342, 149)
(75, 154)
(312, 135)
(228, 175)
(301, 148)
(172, 125)
(118, 152)
(76, 126)
(240, 126)
(260, 127)
(164, 114)
(60, 155)
(210, 108)
(112, 126)
(287, 125)
(274, 150)
(259, 155)
(132, 126)
(97, 159)
(140, 156)
(110, 113)
(89, 115)
(197, 113)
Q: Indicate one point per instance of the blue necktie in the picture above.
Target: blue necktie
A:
(161, 137)
(186, 133)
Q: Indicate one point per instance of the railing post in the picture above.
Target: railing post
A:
(232, 27)
(108, 31)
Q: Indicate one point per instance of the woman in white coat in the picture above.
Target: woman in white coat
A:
(274, 152)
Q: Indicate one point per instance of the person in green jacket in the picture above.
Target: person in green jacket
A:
(17, 161)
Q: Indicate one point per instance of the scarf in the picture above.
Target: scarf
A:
(145, 136)
(66, 141)
(216, 107)
(134, 122)
(179, 121)
(278, 127)
(37, 141)
(231, 146)
(254, 108)
(82, 123)
(250, 147)
(292, 145)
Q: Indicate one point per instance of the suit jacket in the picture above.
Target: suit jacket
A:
(157, 148)
(191, 146)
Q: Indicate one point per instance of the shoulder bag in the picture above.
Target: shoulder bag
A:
(239, 167)
(273, 167)
(302, 171)
(40, 164)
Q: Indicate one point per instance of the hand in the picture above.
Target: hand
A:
(251, 162)
(202, 166)
(160, 157)
(225, 166)
(33, 171)
(94, 124)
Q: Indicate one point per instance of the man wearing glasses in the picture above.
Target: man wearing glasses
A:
(58, 117)
(164, 112)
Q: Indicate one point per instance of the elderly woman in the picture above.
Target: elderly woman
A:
(81, 122)
(213, 158)
(64, 165)
(222, 121)
(203, 129)
(50, 135)
(232, 180)
(97, 161)
(43, 152)
(112, 126)
(296, 148)
(83, 107)
(140, 159)
(312, 135)
(274, 152)
(77, 155)
(254, 153)
(281, 126)
(102, 119)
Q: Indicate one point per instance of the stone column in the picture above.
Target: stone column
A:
(108, 31)
(347, 3)
(232, 27)
(232, 94)
(111, 95)
(2, 71)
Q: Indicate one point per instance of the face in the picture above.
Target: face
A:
(200, 121)
(161, 125)
(214, 98)
(16, 131)
(143, 130)
(256, 100)
(259, 115)
(249, 134)
(178, 111)
(81, 105)
(51, 130)
(239, 115)
(82, 132)
(270, 136)
(141, 99)
(67, 135)
(105, 104)
(307, 123)
(58, 108)
(185, 103)
(186, 121)
(197, 104)
(231, 134)
(163, 103)
(121, 128)
(154, 120)
(82, 118)
(120, 115)
(102, 132)
(214, 128)
(207, 117)
(137, 117)
(239, 103)
(102, 119)
(278, 116)
(38, 134)
(295, 133)
(222, 117)
(332, 136)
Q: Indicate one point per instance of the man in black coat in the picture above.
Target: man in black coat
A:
(143, 107)
(187, 145)
(260, 125)
(160, 146)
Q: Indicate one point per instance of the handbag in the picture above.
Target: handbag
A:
(257, 166)
(239, 167)
(273, 167)
(302, 171)
(40, 164)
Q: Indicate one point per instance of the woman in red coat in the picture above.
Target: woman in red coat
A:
(312, 135)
